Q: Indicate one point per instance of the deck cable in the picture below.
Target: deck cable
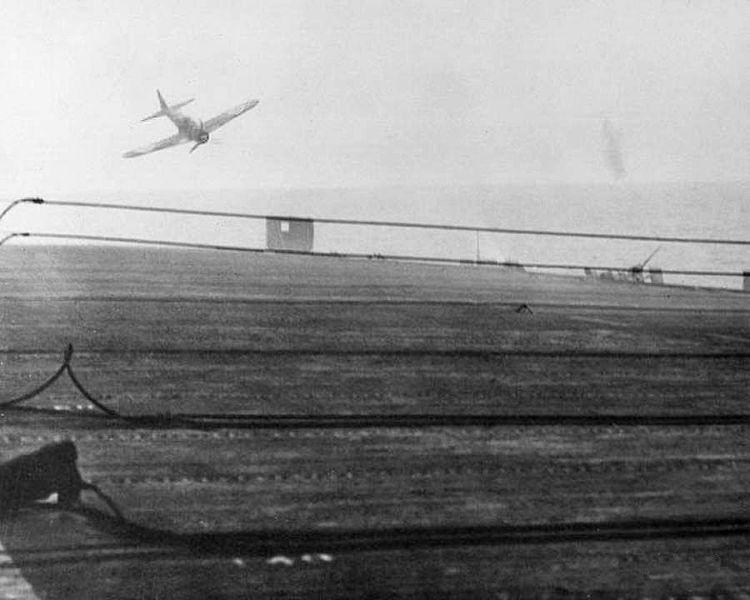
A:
(266, 542)
(210, 421)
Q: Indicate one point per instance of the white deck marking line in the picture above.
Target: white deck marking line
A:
(13, 585)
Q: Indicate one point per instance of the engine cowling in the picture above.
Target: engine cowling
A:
(202, 136)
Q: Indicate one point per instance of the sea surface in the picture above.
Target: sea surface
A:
(705, 210)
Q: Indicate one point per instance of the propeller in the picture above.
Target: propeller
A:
(213, 141)
(202, 138)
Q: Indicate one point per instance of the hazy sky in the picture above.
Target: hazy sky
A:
(372, 92)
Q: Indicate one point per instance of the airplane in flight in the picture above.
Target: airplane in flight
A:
(188, 130)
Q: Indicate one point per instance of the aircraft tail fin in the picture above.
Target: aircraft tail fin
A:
(165, 109)
(162, 103)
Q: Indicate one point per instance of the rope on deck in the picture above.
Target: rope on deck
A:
(40, 388)
(376, 223)
(208, 421)
(268, 542)
(65, 368)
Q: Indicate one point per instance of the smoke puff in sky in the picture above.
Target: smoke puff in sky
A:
(613, 150)
(372, 93)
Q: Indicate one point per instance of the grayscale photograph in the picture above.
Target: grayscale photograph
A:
(339, 299)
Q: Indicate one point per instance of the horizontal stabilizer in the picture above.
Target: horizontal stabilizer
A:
(161, 113)
(181, 104)
(164, 112)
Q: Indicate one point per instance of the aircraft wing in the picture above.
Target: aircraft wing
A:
(160, 145)
(224, 118)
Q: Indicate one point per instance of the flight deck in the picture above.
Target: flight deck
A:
(329, 427)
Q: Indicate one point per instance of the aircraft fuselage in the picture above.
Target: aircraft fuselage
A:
(188, 127)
